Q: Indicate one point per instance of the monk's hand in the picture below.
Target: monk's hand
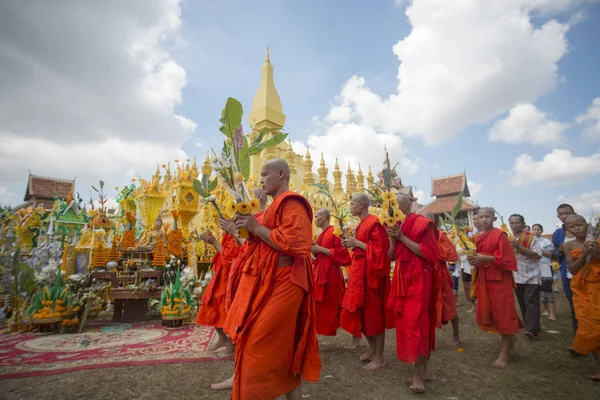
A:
(473, 260)
(227, 225)
(395, 232)
(315, 248)
(514, 244)
(350, 242)
(590, 247)
(246, 221)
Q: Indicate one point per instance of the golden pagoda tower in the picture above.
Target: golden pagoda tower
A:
(308, 176)
(360, 180)
(370, 181)
(323, 172)
(337, 180)
(206, 167)
(350, 182)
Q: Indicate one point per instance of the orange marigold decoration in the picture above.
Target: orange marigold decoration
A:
(174, 238)
(158, 258)
(98, 257)
(113, 254)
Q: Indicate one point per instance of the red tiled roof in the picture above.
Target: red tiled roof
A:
(445, 204)
(449, 185)
(40, 187)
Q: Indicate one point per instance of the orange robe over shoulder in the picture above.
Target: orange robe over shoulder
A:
(493, 284)
(414, 293)
(446, 301)
(329, 282)
(271, 319)
(364, 308)
(586, 301)
(213, 310)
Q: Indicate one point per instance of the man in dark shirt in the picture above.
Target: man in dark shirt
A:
(558, 238)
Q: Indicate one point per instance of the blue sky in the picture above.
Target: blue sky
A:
(143, 84)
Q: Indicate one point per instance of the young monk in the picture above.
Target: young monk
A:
(330, 255)
(364, 306)
(235, 273)
(212, 311)
(583, 261)
(272, 314)
(446, 300)
(493, 283)
(414, 246)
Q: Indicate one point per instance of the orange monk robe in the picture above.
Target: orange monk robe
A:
(213, 311)
(414, 292)
(235, 272)
(364, 308)
(271, 319)
(493, 284)
(446, 300)
(329, 282)
(586, 302)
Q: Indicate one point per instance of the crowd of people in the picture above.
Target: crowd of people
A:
(273, 293)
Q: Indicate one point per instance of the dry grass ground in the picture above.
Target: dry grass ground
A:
(542, 369)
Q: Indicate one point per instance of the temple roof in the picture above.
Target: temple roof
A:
(445, 204)
(42, 187)
(450, 185)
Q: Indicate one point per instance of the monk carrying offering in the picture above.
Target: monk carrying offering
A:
(493, 283)
(414, 246)
(364, 308)
(583, 261)
(271, 320)
(330, 255)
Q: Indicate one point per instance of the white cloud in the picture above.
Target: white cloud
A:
(474, 188)
(526, 124)
(591, 120)
(90, 90)
(585, 204)
(556, 168)
(7, 197)
(463, 63)
(358, 144)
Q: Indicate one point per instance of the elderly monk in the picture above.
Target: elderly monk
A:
(364, 307)
(329, 255)
(414, 247)
(235, 271)
(446, 300)
(493, 283)
(212, 311)
(271, 320)
(583, 261)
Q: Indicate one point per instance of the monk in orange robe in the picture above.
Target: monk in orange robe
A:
(212, 311)
(364, 306)
(583, 261)
(235, 272)
(493, 283)
(271, 320)
(446, 301)
(415, 289)
(329, 255)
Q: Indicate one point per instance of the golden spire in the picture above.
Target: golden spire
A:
(289, 157)
(266, 106)
(206, 167)
(350, 182)
(308, 174)
(323, 172)
(360, 180)
(370, 180)
(337, 179)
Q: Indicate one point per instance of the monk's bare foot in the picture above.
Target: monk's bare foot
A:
(595, 377)
(455, 341)
(418, 385)
(501, 362)
(367, 355)
(471, 310)
(226, 384)
(551, 318)
(375, 364)
(218, 344)
(429, 376)
(225, 352)
(353, 344)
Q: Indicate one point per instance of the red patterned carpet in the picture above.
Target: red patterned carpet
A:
(25, 355)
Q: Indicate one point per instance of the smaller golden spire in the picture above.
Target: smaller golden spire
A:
(206, 167)
(308, 174)
(268, 58)
(337, 179)
(370, 182)
(360, 180)
(350, 182)
(323, 172)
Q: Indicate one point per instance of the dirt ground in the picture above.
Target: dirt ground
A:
(542, 369)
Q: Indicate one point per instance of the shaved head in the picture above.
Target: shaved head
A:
(486, 210)
(276, 165)
(403, 199)
(575, 218)
(429, 215)
(362, 198)
(325, 213)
